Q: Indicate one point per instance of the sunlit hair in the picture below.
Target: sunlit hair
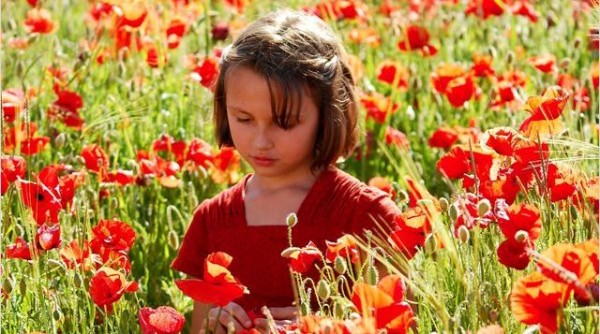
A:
(295, 51)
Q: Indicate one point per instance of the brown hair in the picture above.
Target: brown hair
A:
(295, 51)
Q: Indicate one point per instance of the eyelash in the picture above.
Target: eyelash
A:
(242, 120)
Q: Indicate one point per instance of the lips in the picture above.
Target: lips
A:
(263, 161)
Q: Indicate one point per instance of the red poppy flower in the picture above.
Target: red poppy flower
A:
(66, 183)
(119, 176)
(505, 185)
(385, 303)
(13, 102)
(396, 137)
(66, 107)
(526, 9)
(155, 57)
(412, 228)
(48, 237)
(108, 286)
(513, 254)
(162, 320)
(460, 90)
(485, 8)
(219, 32)
(219, 286)
(537, 300)
(393, 73)
(595, 74)
(18, 250)
(520, 217)
(443, 137)
(444, 74)
(238, 5)
(417, 38)
(501, 140)
(528, 151)
(175, 31)
(560, 184)
(482, 65)
(461, 159)
(345, 247)
(39, 21)
(302, 259)
(11, 168)
(95, 158)
(225, 165)
(545, 113)
(378, 107)
(206, 73)
(315, 324)
(44, 202)
(72, 255)
(112, 235)
(468, 213)
(200, 152)
(545, 62)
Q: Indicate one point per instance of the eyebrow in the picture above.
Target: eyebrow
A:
(238, 109)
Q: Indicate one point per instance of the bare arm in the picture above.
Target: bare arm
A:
(199, 316)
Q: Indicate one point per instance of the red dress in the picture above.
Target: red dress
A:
(336, 204)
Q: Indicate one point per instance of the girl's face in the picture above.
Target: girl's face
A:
(271, 150)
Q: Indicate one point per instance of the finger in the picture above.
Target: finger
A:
(239, 314)
(289, 312)
(261, 324)
(227, 320)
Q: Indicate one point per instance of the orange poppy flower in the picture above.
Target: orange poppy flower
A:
(24, 136)
(520, 217)
(378, 107)
(345, 247)
(302, 259)
(108, 286)
(162, 320)
(238, 5)
(575, 268)
(39, 21)
(485, 8)
(445, 73)
(132, 13)
(545, 113)
(365, 35)
(72, 255)
(393, 73)
(504, 185)
(319, 325)
(545, 63)
(225, 166)
(383, 184)
(537, 300)
(412, 228)
(219, 286)
(417, 38)
(482, 65)
(384, 303)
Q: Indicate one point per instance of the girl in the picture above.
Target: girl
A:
(285, 100)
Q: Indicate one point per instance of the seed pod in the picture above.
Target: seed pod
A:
(340, 265)
(173, 239)
(291, 220)
(430, 244)
(444, 203)
(565, 62)
(56, 314)
(463, 234)
(323, 290)
(483, 207)
(372, 275)
(22, 287)
(521, 236)
(453, 212)
(7, 285)
(60, 140)
(77, 280)
(510, 57)
(339, 310)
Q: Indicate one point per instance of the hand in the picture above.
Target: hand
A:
(282, 316)
(220, 319)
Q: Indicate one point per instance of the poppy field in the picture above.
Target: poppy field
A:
(479, 118)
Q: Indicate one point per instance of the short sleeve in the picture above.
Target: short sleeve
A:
(376, 210)
(194, 249)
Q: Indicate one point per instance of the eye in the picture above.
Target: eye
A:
(242, 120)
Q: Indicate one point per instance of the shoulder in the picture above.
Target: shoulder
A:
(344, 183)
(223, 206)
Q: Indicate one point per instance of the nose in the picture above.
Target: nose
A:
(262, 140)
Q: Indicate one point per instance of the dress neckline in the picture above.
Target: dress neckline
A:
(308, 200)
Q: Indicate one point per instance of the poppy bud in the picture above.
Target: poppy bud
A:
(7, 285)
(22, 287)
(510, 57)
(340, 265)
(453, 212)
(577, 43)
(56, 315)
(60, 140)
(323, 290)
(291, 220)
(492, 51)
(220, 31)
(289, 251)
(77, 281)
(463, 233)
(574, 212)
(53, 264)
(338, 310)
(483, 207)
(521, 236)
(402, 195)
(444, 204)
(424, 202)
(372, 275)
(173, 239)
(565, 62)
(430, 244)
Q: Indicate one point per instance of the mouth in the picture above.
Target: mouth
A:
(263, 161)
